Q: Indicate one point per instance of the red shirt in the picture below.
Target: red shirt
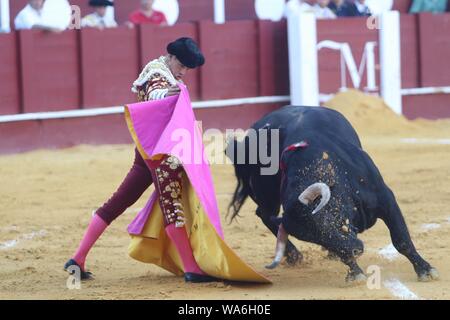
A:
(157, 18)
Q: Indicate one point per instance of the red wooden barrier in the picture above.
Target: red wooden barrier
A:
(240, 10)
(62, 133)
(432, 106)
(95, 68)
(154, 40)
(110, 64)
(409, 33)
(402, 5)
(353, 31)
(232, 53)
(50, 70)
(434, 49)
(19, 136)
(110, 129)
(273, 58)
(9, 75)
(196, 10)
(225, 118)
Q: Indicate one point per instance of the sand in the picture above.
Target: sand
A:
(47, 198)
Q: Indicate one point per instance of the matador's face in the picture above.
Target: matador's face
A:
(177, 68)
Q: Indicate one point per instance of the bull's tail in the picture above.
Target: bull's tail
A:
(243, 173)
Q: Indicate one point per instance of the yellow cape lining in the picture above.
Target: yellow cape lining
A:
(211, 252)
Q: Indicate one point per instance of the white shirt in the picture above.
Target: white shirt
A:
(27, 18)
(378, 6)
(298, 6)
(362, 8)
(93, 20)
(323, 13)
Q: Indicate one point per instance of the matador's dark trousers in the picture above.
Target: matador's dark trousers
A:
(166, 173)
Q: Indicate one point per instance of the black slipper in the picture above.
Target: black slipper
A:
(84, 275)
(199, 278)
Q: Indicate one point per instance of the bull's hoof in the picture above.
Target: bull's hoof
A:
(294, 257)
(429, 275)
(358, 278)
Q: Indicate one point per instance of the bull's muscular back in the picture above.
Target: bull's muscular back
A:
(298, 122)
(327, 130)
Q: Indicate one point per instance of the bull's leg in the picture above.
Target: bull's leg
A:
(348, 250)
(355, 273)
(348, 256)
(403, 243)
(293, 256)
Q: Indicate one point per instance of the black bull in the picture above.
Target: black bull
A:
(329, 188)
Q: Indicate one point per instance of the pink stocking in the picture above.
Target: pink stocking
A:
(179, 238)
(94, 231)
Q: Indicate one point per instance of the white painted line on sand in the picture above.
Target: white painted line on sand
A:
(399, 290)
(430, 226)
(389, 252)
(425, 141)
(29, 236)
(8, 244)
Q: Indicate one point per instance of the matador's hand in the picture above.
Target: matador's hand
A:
(173, 91)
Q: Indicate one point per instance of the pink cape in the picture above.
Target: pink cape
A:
(158, 126)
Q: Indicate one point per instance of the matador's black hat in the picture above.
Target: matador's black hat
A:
(101, 3)
(187, 51)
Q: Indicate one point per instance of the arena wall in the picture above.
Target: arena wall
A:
(22, 136)
(83, 69)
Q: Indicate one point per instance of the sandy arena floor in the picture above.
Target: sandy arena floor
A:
(47, 197)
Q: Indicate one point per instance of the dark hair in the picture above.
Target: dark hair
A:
(187, 52)
(101, 3)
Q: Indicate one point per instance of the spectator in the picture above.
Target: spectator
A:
(147, 15)
(322, 11)
(31, 17)
(99, 19)
(300, 5)
(435, 6)
(358, 8)
(339, 8)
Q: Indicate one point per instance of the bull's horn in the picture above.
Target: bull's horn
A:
(312, 192)
(282, 238)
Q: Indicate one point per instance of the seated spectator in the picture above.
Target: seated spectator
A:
(435, 6)
(99, 19)
(339, 7)
(146, 14)
(322, 11)
(357, 8)
(31, 17)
